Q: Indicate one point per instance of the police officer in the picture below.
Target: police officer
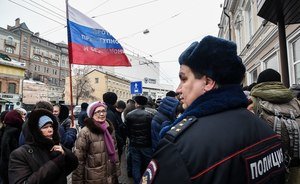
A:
(216, 139)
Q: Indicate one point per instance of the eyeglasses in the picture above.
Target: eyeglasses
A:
(100, 111)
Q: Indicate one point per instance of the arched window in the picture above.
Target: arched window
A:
(10, 39)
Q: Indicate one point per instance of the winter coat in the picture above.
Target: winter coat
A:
(34, 162)
(138, 123)
(94, 165)
(274, 92)
(9, 142)
(68, 135)
(113, 117)
(217, 140)
(165, 112)
(81, 117)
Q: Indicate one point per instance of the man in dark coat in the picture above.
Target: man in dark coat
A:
(138, 124)
(216, 140)
(110, 99)
(82, 115)
(67, 131)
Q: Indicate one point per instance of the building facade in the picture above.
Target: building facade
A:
(97, 83)
(148, 72)
(45, 61)
(258, 40)
(11, 80)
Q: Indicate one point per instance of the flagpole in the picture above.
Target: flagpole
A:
(70, 69)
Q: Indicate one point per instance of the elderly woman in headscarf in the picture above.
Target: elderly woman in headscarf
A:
(41, 159)
(96, 150)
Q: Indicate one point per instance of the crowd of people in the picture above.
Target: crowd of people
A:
(211, 130)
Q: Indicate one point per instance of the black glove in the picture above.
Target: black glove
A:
(59, 160)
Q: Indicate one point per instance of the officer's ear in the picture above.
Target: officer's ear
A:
(209, 84)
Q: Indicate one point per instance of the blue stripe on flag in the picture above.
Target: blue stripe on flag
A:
(97, 38)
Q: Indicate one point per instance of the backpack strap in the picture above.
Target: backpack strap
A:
(277, 122)
(294, 133)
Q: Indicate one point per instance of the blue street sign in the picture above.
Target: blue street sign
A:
(136, 87)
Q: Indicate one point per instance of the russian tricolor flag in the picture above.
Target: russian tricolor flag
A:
(91, 44)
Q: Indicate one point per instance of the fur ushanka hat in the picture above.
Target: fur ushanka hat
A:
(216, 58)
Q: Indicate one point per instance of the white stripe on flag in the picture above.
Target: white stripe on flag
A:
(81, 19)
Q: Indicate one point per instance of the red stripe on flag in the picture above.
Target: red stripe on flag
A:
(86, 55)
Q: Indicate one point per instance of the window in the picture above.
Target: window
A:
(296, 60)
(0, 86)
(9, 50)
(253, 76)
(25, 39)
(36, 58)
(271, 62)
(37, 50)
(10, 40)
(12, 88)
(96, 80)
(249, 22)
(238, 33)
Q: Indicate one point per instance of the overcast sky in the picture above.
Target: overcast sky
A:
(173, 24)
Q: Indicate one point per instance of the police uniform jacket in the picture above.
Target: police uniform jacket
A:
(217, 140)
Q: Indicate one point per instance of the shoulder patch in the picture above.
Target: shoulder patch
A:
(180, 127)
(150, 173)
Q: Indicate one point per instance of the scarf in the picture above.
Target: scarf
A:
(214, 101)
(108, 140)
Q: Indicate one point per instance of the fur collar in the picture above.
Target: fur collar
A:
(215, 101)
(274, 92)
(90, 124)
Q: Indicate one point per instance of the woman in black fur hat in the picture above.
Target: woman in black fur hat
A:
(42, 159)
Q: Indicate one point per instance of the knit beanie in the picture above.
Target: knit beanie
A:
(171, 93)
(44, 120)
(110, 98)
(216, 58)
(13, 118)
(93, 106)
(269, 75)
(141, 100)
